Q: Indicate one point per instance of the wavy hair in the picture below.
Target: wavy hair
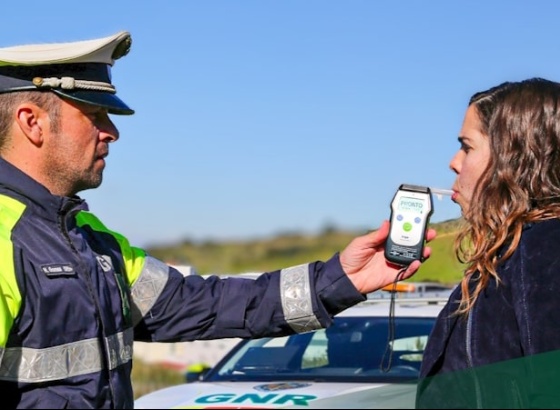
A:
(521, 183)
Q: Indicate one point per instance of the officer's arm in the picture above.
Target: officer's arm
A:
(184, 308)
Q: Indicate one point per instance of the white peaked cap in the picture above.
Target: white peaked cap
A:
(80, 70)
(101, 50)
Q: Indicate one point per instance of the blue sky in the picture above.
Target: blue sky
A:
(259, 117)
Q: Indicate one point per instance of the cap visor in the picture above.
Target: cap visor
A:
(111, 102)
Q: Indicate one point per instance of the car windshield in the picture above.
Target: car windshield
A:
(353, 349)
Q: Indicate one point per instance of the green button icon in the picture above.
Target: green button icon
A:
(407, 226)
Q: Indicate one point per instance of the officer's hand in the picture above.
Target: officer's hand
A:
(364, 261)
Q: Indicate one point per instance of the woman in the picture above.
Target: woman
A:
(496, 342)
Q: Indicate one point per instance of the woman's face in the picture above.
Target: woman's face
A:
(471, 160)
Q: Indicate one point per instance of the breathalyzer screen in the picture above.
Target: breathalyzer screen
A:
(409, 204)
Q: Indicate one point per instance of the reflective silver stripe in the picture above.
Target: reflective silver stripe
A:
(23, 364)
(295, 292)
(119, 347)
(148, 287)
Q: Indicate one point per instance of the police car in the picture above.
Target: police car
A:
(369, 358)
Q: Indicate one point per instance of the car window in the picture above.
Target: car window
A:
(353, 349)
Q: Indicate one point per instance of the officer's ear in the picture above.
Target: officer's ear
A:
(30, 120)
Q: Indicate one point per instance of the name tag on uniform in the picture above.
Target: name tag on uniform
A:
(58, 269)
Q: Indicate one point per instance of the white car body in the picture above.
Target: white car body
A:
(324, 389)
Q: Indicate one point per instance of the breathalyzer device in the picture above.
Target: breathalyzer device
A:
(411, 209)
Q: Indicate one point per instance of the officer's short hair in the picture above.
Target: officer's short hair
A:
(50, 102)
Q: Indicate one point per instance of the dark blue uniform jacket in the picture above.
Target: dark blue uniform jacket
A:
(74, 295)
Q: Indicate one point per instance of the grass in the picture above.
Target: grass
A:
(290, 249)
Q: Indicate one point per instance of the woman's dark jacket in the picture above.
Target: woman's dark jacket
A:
(505, 353)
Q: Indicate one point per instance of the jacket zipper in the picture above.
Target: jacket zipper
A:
(470, 361)
(69, 211)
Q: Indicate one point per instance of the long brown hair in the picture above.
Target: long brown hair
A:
(521, 183)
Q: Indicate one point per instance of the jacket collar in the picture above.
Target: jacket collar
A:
(15, 180)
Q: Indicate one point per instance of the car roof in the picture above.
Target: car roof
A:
(408, 302)
(420, 307)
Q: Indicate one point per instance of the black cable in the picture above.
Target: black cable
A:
(391, 329)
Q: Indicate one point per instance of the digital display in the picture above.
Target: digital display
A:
(408, 204)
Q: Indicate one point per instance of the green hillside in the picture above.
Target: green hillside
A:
(291, 249)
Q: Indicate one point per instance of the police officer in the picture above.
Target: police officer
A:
(74, 295)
